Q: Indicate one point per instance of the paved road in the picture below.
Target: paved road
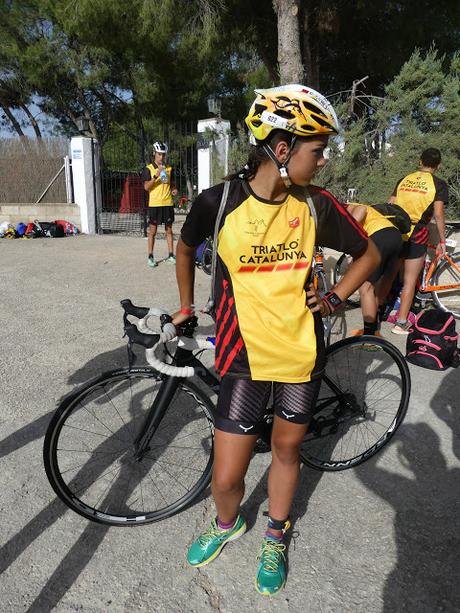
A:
(380, 538)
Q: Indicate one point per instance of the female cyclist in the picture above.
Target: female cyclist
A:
(269, 333)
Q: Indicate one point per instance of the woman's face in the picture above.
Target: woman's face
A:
(306, 159)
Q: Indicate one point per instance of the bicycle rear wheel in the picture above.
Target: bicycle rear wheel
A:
(89, 453)
(323, 288)
(362, 401)
(340, 269)
(206, 257)
(448, 274)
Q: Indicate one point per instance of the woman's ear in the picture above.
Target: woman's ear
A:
(281, 150)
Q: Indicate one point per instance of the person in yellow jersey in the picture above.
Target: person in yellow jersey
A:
(157, 183)
(421, 194)
(388, 240)
(269, 332)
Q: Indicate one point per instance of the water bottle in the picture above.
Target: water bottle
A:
(163, 176)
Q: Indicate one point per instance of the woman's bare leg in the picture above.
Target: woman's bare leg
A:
(232, 454)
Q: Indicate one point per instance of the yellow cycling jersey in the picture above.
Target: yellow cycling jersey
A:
(264, 329)
(160, 194)
(416, 194)
(375, 221)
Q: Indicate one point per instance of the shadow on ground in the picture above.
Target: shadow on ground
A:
(427, 512)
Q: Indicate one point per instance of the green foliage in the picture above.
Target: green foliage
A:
(420, 110)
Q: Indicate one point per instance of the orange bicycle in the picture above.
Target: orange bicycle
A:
(441, 278)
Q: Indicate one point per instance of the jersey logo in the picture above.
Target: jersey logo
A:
(246, 429)
(287, 415)
(258, 227)
(294, 223)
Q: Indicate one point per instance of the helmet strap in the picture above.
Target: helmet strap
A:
(282, 167)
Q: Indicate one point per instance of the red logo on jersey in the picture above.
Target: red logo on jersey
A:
(294, 223)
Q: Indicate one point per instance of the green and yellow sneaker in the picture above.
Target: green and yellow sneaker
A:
(209, 544)
(271, 574)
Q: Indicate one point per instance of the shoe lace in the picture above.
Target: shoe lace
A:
(211, 533)
(271, 554)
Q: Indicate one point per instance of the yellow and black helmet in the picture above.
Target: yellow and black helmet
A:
(295, 108)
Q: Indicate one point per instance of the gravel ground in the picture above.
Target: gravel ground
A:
(380, 538)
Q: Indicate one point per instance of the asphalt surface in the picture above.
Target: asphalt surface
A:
(383, 537)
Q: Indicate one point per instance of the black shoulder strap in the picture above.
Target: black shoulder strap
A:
(210, 304)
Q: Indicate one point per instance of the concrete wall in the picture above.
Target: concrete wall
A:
(14, 213)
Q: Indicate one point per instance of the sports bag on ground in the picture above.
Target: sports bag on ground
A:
(395, 214)
(432, 343)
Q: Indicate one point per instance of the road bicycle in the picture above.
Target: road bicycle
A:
(135, 445)
(439, 281)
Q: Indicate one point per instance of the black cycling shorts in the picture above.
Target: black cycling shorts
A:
(412, 251)
(389, 243)
(242, 403)
(161, 214)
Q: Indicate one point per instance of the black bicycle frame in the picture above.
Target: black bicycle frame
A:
(168, 387)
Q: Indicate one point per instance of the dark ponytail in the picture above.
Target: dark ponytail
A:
(257, 155)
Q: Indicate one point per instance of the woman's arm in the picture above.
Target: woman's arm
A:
(361, 268)
(185, 275)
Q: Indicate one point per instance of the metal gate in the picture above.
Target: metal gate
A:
(124, 156)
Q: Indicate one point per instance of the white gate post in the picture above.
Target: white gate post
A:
(86, 184)
(214, 149)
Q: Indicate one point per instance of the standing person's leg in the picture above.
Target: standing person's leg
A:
(369, 308)
(170, 242)
(412, 270)
(151, 243)
(294, 406)
(240, 408)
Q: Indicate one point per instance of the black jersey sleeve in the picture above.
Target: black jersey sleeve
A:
(199, 223)
(146, 176)
(442, 191)
(337, 229)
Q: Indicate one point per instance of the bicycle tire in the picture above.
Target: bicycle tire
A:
(323, 287)
(88, 451)
(444, 274)
(349, 429)
(206, 257)
(339, 270)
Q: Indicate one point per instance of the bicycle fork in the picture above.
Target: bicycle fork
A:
(155, 415)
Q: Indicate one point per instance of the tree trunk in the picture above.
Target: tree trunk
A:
(13, 120)
(289, 56)
(33, 121)
(310, 50)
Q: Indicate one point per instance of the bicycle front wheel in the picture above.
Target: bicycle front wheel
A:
(448, 274)
(89, 449)
(363, 399)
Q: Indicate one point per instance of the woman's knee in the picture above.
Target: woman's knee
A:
(286, 449)
(226, 483)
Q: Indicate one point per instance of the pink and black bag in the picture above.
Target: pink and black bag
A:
(432, 342)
